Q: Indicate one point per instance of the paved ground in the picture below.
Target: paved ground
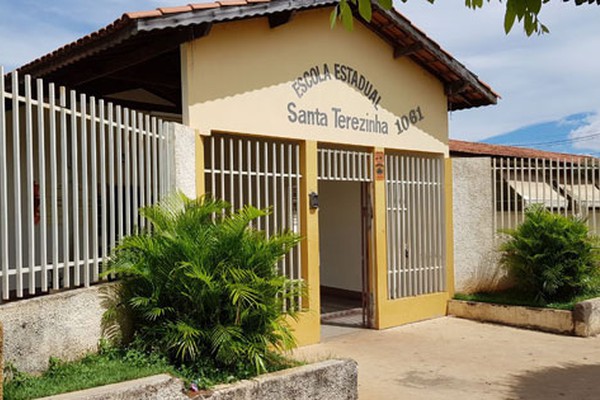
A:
(450, 358)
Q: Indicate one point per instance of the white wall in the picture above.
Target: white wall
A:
(340, 235)
(473, 220)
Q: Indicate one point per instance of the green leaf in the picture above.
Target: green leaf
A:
(333, 17)
(347, 17)
(364, 9)
(386, 4)
(509, 20)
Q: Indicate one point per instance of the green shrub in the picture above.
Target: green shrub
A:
(203, 284)
(551, 257)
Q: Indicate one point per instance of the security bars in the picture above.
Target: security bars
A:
(74, 172)
(264, 174)
(415, 225)
(567, 186)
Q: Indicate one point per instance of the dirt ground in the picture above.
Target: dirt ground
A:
(450, 358)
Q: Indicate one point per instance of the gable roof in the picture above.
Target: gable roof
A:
(472, 149)
(175, 25)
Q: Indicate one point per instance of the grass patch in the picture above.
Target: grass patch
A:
(516, 298)
(109, 366)
(113, 365)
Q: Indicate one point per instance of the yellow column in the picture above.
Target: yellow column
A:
(200, 184)
(449, 228)
(379, 247)
(308, 327)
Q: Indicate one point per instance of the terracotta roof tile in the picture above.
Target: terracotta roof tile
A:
(204, 6)
(143, 14)
(227, 3)
(485, 149)
(175, 10)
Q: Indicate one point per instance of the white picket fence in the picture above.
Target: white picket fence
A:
(568, 186)
(74, 171)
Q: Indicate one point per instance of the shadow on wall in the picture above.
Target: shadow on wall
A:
(565, 382)
(487, 276)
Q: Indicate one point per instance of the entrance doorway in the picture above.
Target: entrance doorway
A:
(344, 236)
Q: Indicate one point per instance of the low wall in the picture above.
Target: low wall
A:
(543, 319)
(65, 325)
(583, 321)
(327, 380)
(586, 317)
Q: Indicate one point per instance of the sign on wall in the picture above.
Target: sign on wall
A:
(334, 115)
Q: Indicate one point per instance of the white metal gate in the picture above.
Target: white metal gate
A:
(73, 173)
(345, 165)
(415, 225)
(262, 173)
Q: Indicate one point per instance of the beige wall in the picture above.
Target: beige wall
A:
(340, 235)
(241, 78)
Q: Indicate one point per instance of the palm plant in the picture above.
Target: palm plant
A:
(551, 257)
(201, 283)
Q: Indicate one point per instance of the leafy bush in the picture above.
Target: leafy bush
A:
(551, 257)
(203, 284)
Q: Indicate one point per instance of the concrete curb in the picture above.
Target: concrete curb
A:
(155, 387)
(327, 380)
(543, 319)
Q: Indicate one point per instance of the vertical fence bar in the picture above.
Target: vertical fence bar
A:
(134, 172)
(29, 192)
(103, 182)
(141, 173)
(148, 140)
(75, 194)
(155, 177)
(120, 195)
(240, 172)
(494, 196)
(562, 184)
(3, 191)
(127, 172)
(64, 153)
(574, 198)
(594, 186)
(54, 185)
(17, 186)
(94, 192)
(85, 192)
(266, 184)
(42, 184)
(258, 178)
(390, 232)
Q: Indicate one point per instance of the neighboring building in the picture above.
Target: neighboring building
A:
(494, 185)
(344, 134)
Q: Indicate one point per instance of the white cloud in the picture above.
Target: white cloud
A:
(540, 78)
(588, 135)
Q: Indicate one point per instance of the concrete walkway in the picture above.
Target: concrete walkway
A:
(450, 358)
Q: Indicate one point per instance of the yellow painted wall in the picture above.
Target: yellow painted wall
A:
(240, 78)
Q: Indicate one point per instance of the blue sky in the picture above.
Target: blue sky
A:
(550, 84)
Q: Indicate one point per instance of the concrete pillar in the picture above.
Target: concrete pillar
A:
(183, 151)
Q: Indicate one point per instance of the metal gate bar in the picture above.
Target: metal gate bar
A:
(264, 174)
(415, 225)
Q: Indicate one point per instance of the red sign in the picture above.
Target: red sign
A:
(379, 165)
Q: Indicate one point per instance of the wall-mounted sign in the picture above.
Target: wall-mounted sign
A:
(379, 166)
(335, 116)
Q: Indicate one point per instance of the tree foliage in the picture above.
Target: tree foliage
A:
(523, 12)
(203, 284)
